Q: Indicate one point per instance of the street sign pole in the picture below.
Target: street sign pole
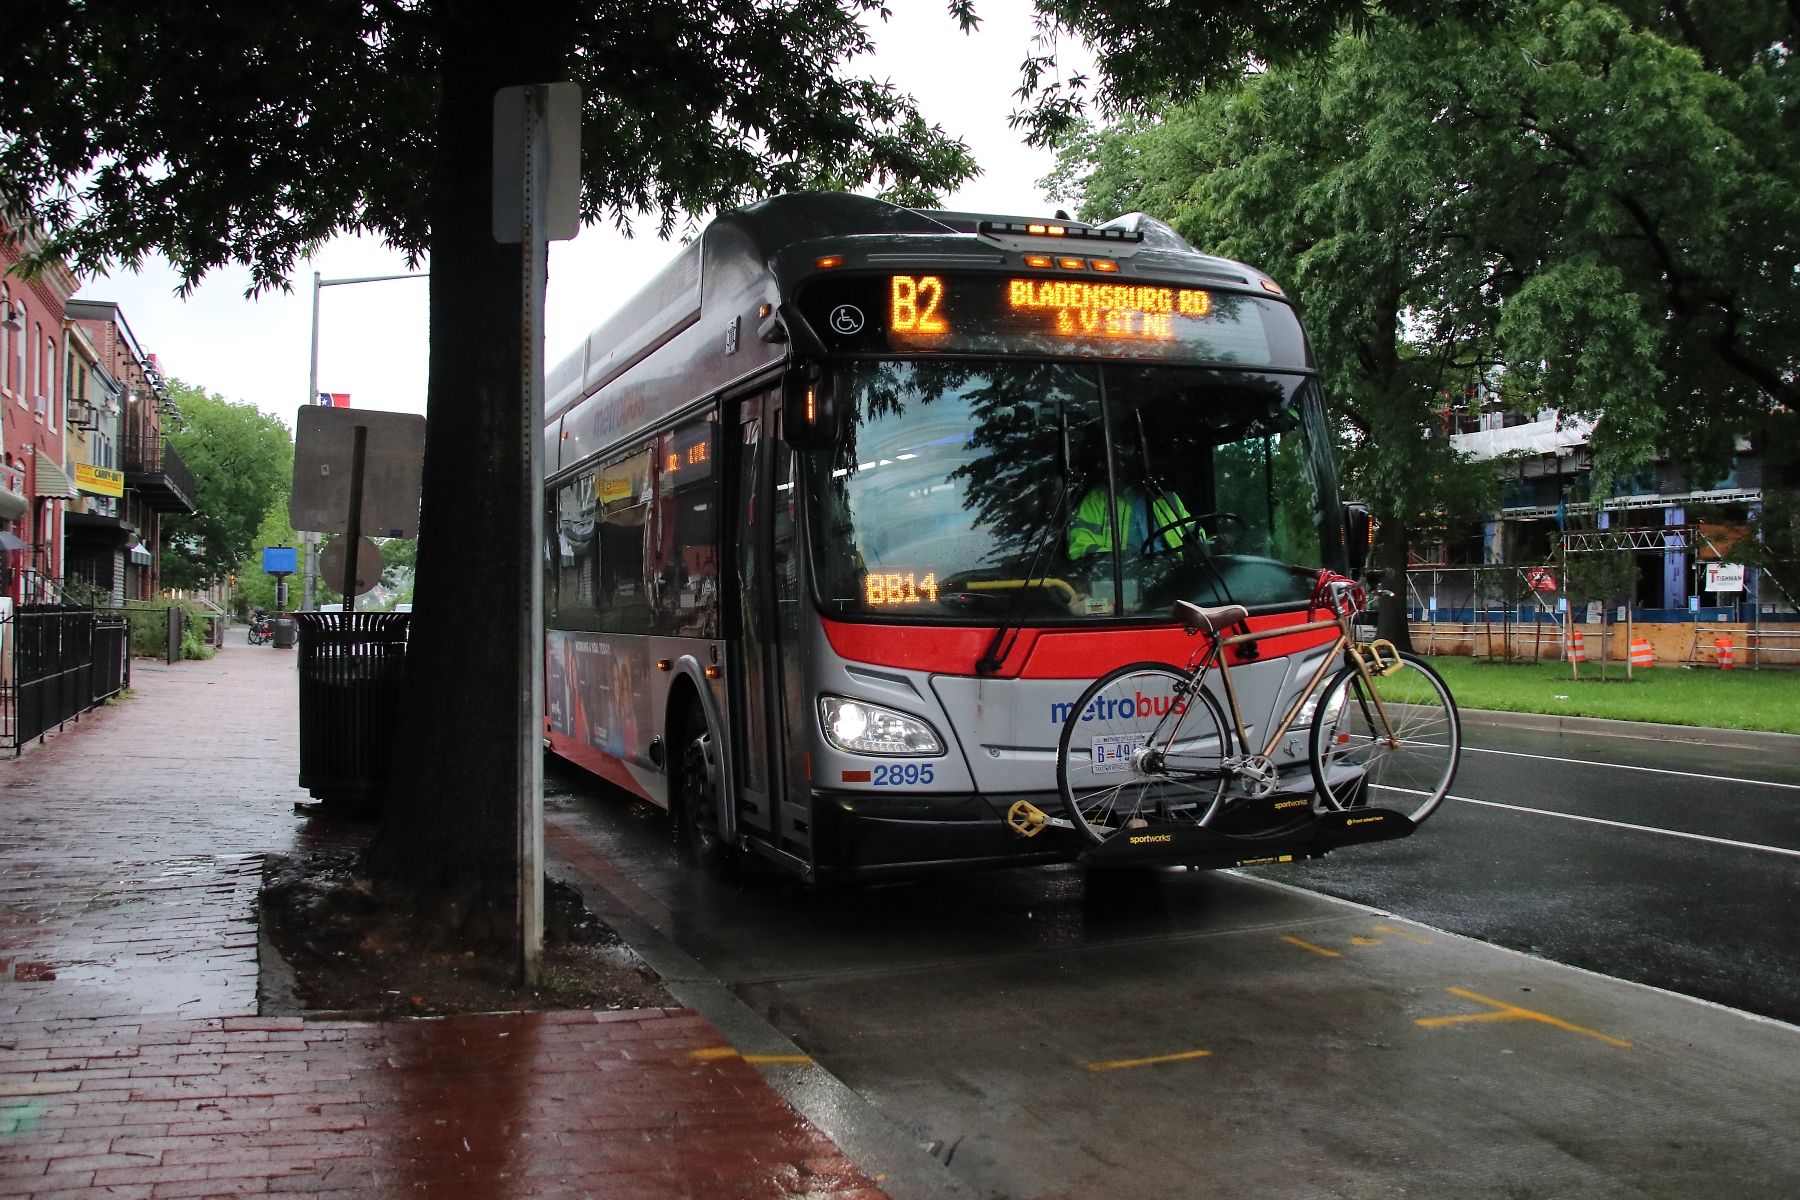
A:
(537, 196)
(533, 258)
(309, 542)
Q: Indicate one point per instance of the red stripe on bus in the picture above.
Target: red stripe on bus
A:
(1048, 653)
(599, 762)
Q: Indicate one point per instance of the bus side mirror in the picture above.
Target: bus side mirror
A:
(1358, 528)
(809, 407)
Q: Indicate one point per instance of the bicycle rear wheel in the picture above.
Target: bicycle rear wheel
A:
(1392, 741)
(1139, 749)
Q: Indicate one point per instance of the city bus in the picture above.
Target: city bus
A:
(849, 504)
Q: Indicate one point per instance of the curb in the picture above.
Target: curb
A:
(1649, 731)
(897, 1164)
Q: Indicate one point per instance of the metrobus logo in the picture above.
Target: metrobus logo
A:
(1105, 709)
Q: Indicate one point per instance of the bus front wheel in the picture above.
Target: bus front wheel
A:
(697, 796)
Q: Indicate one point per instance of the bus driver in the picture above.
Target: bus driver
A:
(1091, 533)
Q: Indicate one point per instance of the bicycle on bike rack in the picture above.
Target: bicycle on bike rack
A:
(1151, 769)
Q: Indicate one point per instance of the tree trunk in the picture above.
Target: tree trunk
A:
(450, 825)
(1391, 555)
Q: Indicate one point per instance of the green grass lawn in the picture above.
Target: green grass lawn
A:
(1739, 699)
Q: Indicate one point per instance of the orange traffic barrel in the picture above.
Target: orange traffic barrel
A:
(1575, 652)
(1641, 654)
(1723, 646)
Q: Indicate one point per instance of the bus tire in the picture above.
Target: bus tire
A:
(696, 793)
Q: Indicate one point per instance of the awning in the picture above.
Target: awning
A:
(52, 483)
(98, 531)
(13, 542)
(139, 555)
(12, 505)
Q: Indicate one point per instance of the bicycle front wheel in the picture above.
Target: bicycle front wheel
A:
(1392, 741)
(1140, 748)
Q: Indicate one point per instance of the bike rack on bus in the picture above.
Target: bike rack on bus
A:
(1197, 846)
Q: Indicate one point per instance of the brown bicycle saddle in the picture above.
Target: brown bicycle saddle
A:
(1209, 620)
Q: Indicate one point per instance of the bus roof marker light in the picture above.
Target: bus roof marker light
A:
(1037, 260)
(1056, 231)
(829, 261)
(1036, 229)
(1104, 264)
(1269, 285)
(1072, 264)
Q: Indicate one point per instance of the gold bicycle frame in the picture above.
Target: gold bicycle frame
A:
(1345, 642)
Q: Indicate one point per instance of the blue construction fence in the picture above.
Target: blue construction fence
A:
(1529, 614)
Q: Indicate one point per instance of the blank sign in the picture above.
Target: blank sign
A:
(393, 462)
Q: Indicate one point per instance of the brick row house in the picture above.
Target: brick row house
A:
(85, 476)
(114, 542)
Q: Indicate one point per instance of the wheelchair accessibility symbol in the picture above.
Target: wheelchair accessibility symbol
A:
(846, 319)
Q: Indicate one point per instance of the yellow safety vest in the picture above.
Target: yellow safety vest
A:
(1091, 533)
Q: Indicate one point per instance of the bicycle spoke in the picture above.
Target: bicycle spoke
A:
(1384, 737)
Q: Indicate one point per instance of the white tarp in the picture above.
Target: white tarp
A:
(1550, 436)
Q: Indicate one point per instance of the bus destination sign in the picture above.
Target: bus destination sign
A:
(930, 312)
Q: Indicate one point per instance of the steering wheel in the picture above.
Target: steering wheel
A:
(1184, 522)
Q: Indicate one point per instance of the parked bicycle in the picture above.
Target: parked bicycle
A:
(262, 628)
(1149, 744)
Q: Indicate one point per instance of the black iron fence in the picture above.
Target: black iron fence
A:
(57, 661)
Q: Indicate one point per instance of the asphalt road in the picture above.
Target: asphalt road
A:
(1218, 1035)
(1715, 914)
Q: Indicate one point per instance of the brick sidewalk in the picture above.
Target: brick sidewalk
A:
(132, 1063)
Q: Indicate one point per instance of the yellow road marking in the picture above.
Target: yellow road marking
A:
(711, 1053)
(1315, 949)
(1144, 1062)
(1411, 937)
(1365, 941)
(1511, 1012)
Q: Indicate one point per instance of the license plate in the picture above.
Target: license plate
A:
(1113, 752)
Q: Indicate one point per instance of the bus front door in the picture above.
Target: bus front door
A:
(767, 691)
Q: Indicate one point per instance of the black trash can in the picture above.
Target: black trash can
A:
(351, 666)
(282, 632)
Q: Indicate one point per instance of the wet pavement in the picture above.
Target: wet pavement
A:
(1218, 1035)
(133, 1064)
(1668, 863)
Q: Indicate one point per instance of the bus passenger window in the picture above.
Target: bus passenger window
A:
(576, 554)
(622, 494)
(686, 520)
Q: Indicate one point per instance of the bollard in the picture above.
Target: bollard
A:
(1641, 653)
(1723, 646)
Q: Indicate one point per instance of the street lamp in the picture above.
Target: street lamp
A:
(309, 589)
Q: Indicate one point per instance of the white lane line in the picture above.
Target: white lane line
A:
(1588, 762)
(1693, 837)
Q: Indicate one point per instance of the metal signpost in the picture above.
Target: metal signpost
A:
(279, 562)
(537, 200)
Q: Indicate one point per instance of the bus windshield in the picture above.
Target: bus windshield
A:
(1056, 492)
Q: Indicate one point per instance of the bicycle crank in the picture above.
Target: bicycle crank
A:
(1258, 774)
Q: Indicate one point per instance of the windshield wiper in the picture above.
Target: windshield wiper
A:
(1007, 636)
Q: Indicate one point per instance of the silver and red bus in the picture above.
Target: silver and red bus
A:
(851, 502)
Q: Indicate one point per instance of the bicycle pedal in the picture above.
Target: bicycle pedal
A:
(1028, 820)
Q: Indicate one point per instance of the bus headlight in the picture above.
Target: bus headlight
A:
(862, 728)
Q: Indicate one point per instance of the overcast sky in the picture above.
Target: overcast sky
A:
(372, 337)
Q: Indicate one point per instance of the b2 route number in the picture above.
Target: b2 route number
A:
(897, 775)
